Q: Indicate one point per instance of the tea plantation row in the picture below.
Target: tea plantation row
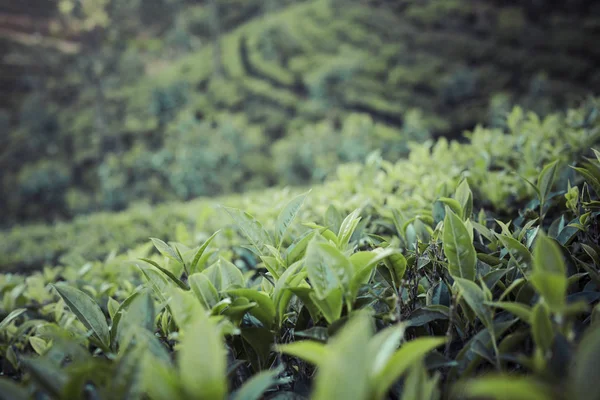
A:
(469, 270)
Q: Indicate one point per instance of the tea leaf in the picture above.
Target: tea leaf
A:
(475, 298)
(314, 352)
(166, 250)
(502, 387)
(251, 229)
(287, 216)
(11, 317)
(204, 290)
(200, 252)
(167, 273)
(409, 354)
(202, 360)
(520, 310)
(265, 312)
(546, 180)
(343, 374)
(254, 388)
(464, 196)
(87, 311)
(458, 247)
(347, 228)
(585, 374)
(541, 328)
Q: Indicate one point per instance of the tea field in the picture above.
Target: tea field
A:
(468, 270)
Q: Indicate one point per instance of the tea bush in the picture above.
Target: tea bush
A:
(418, 279)
(492, 160)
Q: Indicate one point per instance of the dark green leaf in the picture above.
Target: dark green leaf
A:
(87, 311)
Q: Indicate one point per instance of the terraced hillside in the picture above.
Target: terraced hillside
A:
(369, 74)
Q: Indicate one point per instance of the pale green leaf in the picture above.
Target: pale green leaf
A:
(265, 312)
(287, 216)
(251, 229)
(409, 354)
(308, 350)
(541, 328)
(520, 310)
(204, 290)
(202, 360)
(196, 261)
(11, 317)
(458, 247)
(503, 387)
(343, 374)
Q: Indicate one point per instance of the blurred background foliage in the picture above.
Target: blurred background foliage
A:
(109, 102)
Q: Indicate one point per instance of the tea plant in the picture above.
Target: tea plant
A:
(450, 299)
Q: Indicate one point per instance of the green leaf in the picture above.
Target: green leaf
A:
(202, 360)
(553, 289)
(195, 262)
(224, 275)
(323, 278)
(204, 290)
(298, 247)
(453, 204)
(116, 321)
(541, 328)
(156, 280)
(503, 387)
(546, 180)
(166, 250)
(167, 273)
(11, 317)
(520, 310)
(383, 345)
(589, 178)
(549, 276)
(9, 390)
(475, 298)
(547, 256)
(517, 250)
(265, 312)
(464, 196)
(281, 294)
(139, 311)
(333, 218)
(585, 373)
(419, 386)
(314, 352)
(347, 228)
(409, 354)
(458, 247)
(87, 311)
(46, 375)
(331, 305)
(287, 216)
(39, 345)
(112, 305)
(251, 229)
(258, 384)
(343, 374)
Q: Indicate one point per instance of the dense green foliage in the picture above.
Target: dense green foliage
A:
(445, 275)
(143, 112)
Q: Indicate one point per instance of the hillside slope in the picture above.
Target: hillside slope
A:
(296, 81)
